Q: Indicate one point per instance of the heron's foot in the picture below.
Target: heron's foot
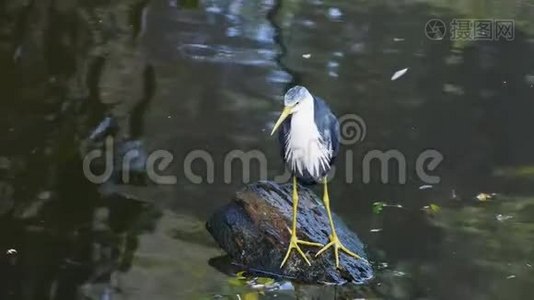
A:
(337, 245)
(294, 244)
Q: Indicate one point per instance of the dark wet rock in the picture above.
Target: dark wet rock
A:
(253, 230)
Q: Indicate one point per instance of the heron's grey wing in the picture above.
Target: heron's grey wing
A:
(328, 126)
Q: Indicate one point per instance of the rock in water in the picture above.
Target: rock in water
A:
(253, 230)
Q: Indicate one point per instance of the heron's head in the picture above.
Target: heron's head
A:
(294, 99)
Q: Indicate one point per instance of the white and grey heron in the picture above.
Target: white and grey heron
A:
(309, 138)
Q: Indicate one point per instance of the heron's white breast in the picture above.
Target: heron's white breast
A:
(305, 149)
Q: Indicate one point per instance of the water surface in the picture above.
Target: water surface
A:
(210, 75)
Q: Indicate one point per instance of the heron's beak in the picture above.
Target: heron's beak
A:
(285, 113)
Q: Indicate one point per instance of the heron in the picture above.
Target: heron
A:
(309, 140)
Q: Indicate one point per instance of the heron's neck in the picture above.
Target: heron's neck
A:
(306, 111)
(303, 121)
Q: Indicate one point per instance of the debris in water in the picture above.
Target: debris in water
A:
(398, 273)
(376, 230)
(453, 89)
(44, 195)
(306, 55)
(378, 207)
(485, 197)
(398, 74)
(431, 209)
(382, 265)
(502, 218)
(261, 283)
(425, 187)
(105, 127)
(511, 277)
(258, 283)
(241, 275)
(11, 252)
(338, 54)
(334, 13)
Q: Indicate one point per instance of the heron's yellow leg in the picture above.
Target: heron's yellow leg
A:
(294, 242)
(334, 240)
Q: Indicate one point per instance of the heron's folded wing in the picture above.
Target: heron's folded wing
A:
(328, 126)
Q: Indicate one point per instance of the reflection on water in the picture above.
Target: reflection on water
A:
(186, 75)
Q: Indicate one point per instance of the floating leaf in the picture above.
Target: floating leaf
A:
(239, 279)
(378, 207)
(484, 197)
(502, 218)
(435, 208)
(398, 74)
(241, 275)
(251, 296)
(236, 281)
(399, 273)
(264, 280)
(431, 209)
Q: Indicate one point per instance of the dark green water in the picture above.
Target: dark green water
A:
(209, 75)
